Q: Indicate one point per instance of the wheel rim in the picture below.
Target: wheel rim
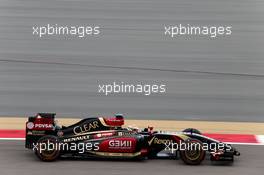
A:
(48, 153)
(194, 150)
(192, 154)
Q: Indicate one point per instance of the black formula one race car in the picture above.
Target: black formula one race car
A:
(102, 137)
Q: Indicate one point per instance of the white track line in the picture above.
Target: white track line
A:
(260, 138)
(12, 139)
(241, 143)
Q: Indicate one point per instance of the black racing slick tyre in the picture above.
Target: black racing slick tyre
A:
(193, 153)
(192, 130)
(48, 148)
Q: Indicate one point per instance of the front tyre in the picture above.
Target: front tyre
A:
(193, 154)
(48, 148)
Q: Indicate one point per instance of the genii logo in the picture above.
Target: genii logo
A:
(119, 145)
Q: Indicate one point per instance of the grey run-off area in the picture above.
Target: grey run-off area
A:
(207, 79)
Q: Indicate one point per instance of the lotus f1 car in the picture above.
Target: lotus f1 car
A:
(102, 137)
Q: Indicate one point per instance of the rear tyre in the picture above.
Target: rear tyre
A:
(48, 148)
(192, 130)
(194, 153)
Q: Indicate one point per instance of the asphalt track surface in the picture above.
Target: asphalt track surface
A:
(207, 79)
(14, 159)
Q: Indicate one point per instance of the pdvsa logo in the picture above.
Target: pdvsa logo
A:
(43, 126)
(31, 125)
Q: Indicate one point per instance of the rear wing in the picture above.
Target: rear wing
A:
(42, 121)
(42, 115)
(38, 126)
